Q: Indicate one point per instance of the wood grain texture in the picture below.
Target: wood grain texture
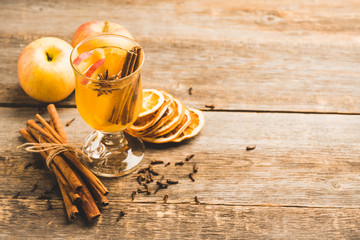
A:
(178, 221)
(299, 160)
(272, 56)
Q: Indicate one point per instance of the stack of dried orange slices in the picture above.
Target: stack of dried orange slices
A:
(164, 118)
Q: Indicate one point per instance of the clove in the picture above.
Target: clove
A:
(211, 106)
(50, 206)
(191, 177)
(189, 157)
(28, 165)
(249, 148)
(169, 181)
(168, 163)
(196, 200)
(166, 196)
(154, 162)
(133, 195)
(142, 170)
(122, 213)
(69, 122)
(195, 168)
(179, 163)
(16, 195)
(34, 187)
(42, 196)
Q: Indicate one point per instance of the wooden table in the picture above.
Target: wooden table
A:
(283, 75)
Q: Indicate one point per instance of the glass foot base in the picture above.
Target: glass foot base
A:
(113, 154)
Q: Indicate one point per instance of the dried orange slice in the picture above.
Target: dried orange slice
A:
(174, 133)
(173, 122)
(143, 123)
(166, 117)
(196, 124)
(152, 101)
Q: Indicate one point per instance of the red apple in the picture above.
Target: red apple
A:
(91, 29)
(44, 70)
(82, 57)
(90, 72)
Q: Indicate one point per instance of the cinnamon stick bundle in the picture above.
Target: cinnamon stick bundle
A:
(79, 187)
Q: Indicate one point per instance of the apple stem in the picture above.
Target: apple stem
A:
(106, 27)
(48, 57)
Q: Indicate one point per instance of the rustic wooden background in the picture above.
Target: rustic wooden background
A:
(283, 75)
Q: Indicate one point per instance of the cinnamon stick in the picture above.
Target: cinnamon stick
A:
(31, 124)
(67, 172)
(126, 65)
(56, 138)
(131, 64)
(54, 116)
(75, 197)
(71, 209)
(98, 196)
(52, 130)
(88, 203)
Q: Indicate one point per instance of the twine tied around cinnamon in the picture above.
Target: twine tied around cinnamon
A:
(54, 148)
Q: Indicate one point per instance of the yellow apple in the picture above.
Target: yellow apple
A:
(91, 29)
(44, 69)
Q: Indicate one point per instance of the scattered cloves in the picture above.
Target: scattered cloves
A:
(50, 206)
(16, 195)
(139, 179)
(179, 163)
(69, 122)
(196, 200)
(34, 187)
(169, 181)
(191, 177)
(166, 196)
(42, 196)
(211, 106)
(133, 195)
(168, 163)
(195, 168)
(122, 213)
(249, 148)
(189, 157)
(142, 170)
(28, 165)
(154, 162)
(142, 190)
(154, 173)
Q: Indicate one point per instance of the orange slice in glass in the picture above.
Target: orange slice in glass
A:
(114, 60)
(196, 124)
(152, 101)
(174, 133)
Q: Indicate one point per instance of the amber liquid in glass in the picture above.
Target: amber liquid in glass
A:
(108, 107)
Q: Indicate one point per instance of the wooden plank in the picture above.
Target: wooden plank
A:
(273, 56)
(31, 219)
(299, 160)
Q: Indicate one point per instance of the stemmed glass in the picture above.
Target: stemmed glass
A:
(108, 95)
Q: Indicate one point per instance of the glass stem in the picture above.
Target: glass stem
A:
(114, 139)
